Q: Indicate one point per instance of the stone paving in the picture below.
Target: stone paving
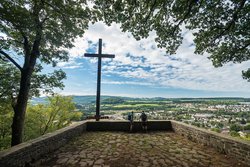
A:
(103, 149)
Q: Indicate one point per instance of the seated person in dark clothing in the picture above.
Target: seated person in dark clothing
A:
(131, 120)
(144, 119)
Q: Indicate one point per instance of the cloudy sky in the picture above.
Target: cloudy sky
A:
(140, 69)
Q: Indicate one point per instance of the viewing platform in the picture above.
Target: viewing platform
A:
(109, 143)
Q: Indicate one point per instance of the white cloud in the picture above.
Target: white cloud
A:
(146, 61)
(127, 83)
(71, 64)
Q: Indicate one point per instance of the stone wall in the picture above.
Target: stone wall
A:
(25, 153)
(106, 125)
(224, 144)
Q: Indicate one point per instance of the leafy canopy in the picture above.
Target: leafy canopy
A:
(56, 22)
(221, 28)
(10, 78)
(38, 28)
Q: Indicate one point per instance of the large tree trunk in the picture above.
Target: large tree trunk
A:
(23, 95)
(31, 55)
(20, 107)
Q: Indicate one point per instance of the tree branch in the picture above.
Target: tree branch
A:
(245, 46)
(26, 48)
(232, 54)
(45, 19)
(55, 9)
(190, 5)
(36, 44)
(11, 60)
(232, 21)
(150, 12)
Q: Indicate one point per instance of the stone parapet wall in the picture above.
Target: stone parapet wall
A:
(224, 144)
(23, 154)
(29, 151)
(106, 125)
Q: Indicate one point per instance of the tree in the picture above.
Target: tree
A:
(247, 127)
(220, 28)
(37, 31)
(243, 121)
(41, 118)
(219, 125)
(234, 133)
(235, 127)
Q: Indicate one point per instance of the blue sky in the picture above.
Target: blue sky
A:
(140, 69)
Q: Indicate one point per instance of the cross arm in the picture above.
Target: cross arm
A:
(99, 55)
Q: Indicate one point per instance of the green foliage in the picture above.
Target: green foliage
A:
(179, 117)
(52, 25)
(235, 127)
(246, 75)
(216, 130)
(10, 78)
(41, 118)
(247, 127)
(55, 23)
(196, 124)
(220, 28)
(5, 123)
(248, 136)
(219, 125)
(243, 121)
(234, 134)
(58, 113)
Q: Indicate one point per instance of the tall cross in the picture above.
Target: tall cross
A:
(98, 92)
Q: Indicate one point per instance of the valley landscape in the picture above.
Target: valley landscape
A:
(229, 116)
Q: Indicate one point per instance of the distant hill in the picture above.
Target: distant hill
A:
(81, 99)
(92, 98)
(89, 99)
(113, 100)
(38, 100)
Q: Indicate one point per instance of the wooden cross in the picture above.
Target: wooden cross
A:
(100, 56)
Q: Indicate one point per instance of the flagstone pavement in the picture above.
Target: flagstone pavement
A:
(118, 149)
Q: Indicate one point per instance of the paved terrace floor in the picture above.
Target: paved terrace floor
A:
(135, 149)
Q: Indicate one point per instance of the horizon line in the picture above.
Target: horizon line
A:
(126, 96)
